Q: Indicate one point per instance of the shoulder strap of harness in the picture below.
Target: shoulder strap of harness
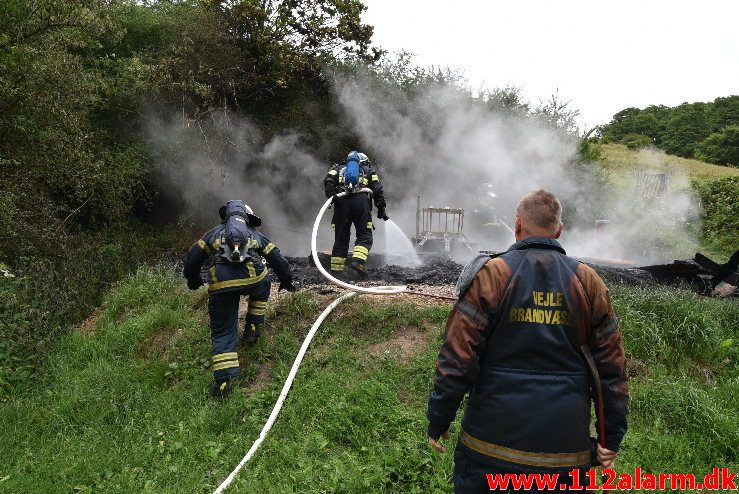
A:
(469, 272)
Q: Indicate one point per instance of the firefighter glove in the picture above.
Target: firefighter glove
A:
(194, 284)
(287, 285)
(382, 214)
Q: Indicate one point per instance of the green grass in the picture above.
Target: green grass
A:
(123, 408)
(623, 165)
(683, 353)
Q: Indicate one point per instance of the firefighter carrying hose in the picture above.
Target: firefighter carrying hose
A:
(234, 250)
(354, 208)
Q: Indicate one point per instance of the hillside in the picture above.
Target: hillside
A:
(707, 196)
(708, 131)
(623, 164)
(121, 403)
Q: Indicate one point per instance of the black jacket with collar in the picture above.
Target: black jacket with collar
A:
(513, 342)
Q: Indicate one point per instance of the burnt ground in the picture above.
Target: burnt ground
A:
(437, 271)
(441, 271)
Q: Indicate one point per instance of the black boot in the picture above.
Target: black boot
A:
(358, 266)
(251, 333)
(221, 388)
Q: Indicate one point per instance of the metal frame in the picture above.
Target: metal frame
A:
(451, 219)
(652, 185)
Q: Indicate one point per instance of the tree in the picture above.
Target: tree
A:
(651, 122)
(507, 100)
(689, 124)
(558, 114)
(725, 112)
(721, 148)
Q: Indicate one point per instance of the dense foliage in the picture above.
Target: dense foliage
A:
(720, 202)
(707, 131)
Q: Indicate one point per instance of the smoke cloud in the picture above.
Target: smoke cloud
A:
(644, 225)
(445, 147)
(205, 164)
(439, 144)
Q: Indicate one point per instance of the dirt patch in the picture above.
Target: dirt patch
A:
(160, 344)
(705, 373)
(404, 343)
(636, 368)
(262, 378)
(88, 325)
(407, 397)
(416, 295)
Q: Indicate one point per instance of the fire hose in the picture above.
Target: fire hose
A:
(381, 290)
(377, 290)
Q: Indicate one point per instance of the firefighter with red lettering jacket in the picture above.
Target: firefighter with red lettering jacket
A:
(533, 338)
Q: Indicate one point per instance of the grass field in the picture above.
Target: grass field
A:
(121, 405)
(623, 165)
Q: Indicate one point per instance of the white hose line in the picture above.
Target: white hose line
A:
(285, 390)
(383, 290)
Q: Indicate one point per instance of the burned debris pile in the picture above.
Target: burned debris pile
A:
(437, 270)
(701, 274)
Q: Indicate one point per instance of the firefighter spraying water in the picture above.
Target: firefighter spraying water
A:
(354, 208)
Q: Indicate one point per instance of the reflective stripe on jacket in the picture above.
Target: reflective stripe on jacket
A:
(229, 276)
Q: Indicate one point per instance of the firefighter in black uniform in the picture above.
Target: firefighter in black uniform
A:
(227, 281)
(354, 208)
(533, 339)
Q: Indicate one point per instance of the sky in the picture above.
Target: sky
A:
(603, 56)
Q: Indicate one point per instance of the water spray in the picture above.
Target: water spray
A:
(381, 290)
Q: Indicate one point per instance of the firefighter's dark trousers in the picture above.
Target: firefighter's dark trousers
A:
(354, 209)
(470, 476)
(224, 317)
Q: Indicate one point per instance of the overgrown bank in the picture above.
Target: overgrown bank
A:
(107, 106)
(122, 406)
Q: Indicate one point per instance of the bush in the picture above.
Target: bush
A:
(16, 345)
(721, 148)
(720, 201)
(49, 293)
(636, 141)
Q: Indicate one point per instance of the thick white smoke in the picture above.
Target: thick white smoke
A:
(444, 146)
(205, 164)
(439, 144)
(641, 227)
